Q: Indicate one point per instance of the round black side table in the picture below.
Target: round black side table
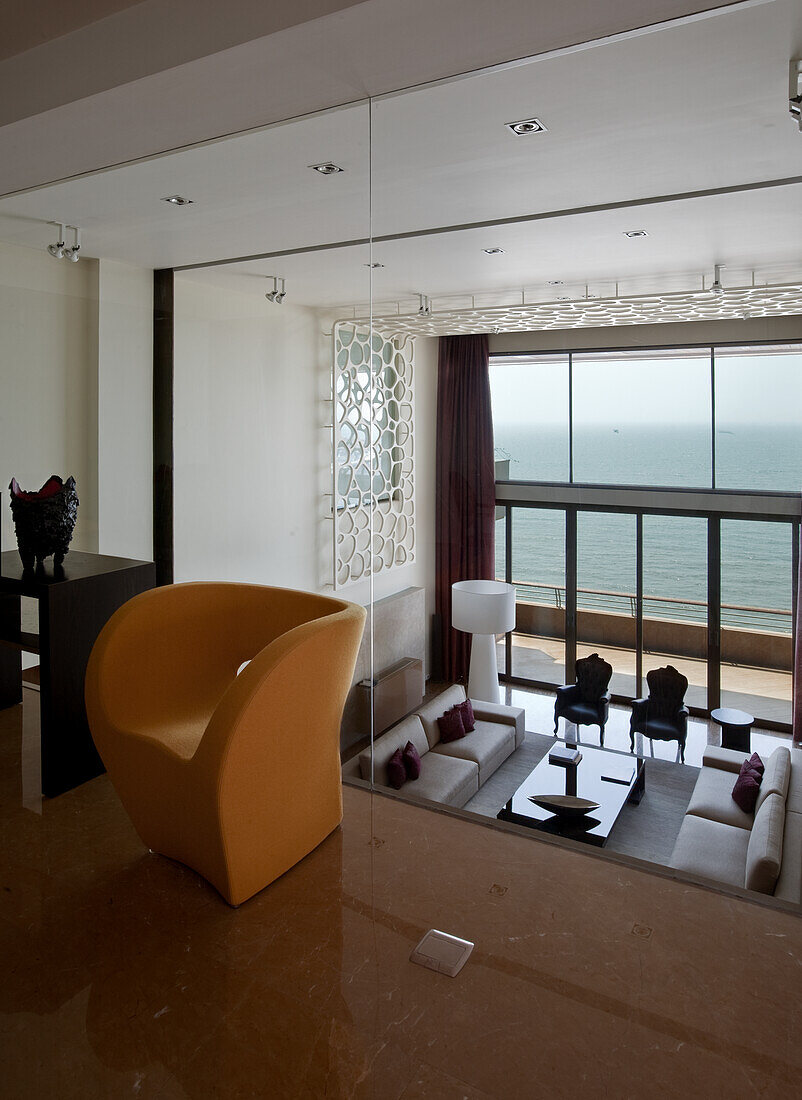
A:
(736, 728)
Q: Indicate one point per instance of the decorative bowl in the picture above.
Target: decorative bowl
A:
(564, 805)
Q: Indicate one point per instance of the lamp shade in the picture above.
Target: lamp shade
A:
(482, 607)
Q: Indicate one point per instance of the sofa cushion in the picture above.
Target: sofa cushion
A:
(789, 882)
(396, 771)
(487, 746)
(794, 796)
(445, 779)
(776, 777)
(712, 799)
(384, 747)
(508, 716)
(746, 790)
(711, 849)
(411, 758)
(436, 708)
(451, 726)
(755, 763)
(765, 852)
(468, 718)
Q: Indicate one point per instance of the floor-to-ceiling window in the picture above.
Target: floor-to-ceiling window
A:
(651, 514)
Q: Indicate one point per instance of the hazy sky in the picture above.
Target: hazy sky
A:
(757, 389)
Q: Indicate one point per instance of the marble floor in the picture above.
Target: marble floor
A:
(123, 974)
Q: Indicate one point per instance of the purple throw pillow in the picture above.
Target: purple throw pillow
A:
(745, 791)
(468, 719)
(451, 726)
(411, 758)
(396, 771)
(754, 763)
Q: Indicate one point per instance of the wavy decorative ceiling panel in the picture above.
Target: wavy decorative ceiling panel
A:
(733, 303)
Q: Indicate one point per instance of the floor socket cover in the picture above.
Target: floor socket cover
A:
(441, 952)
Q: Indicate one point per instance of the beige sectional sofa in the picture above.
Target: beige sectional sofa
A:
(454, 772)
(761, 851)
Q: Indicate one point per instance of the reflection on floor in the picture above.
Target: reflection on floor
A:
(758, 691)
(124, 974)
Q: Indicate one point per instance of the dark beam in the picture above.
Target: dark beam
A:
(163, 318)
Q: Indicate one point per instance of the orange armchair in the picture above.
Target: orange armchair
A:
(238, 776)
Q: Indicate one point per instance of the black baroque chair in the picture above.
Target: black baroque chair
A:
(663, 714)
(587, 702)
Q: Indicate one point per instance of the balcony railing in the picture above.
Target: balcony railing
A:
(776, 620)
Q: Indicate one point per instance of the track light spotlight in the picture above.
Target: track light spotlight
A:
(72, 253)
(275, 295)
(716, 287)
(795, 92)
(57, 250)
(60, 250)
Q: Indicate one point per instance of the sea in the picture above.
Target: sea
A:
(756, 557)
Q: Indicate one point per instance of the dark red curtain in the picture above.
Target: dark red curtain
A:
(796, 727)
(466, 485)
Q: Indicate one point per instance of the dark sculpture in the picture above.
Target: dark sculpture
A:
(663, 715)
(587, 702)
(44, 521)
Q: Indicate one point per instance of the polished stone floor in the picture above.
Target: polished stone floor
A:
(123, 974)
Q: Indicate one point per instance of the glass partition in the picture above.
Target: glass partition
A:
(287, 415)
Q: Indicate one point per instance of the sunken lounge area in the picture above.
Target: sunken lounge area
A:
(645, 804)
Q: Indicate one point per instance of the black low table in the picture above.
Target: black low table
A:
(736, 728)
(610, 778)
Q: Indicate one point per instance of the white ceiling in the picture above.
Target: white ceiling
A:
(164, 74)
(681, 109)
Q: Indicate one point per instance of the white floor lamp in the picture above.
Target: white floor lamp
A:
(484, 609)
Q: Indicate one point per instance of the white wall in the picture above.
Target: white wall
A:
(48, 321)
(252, 450)
(125, 410)
(247, 432)
(76, 370)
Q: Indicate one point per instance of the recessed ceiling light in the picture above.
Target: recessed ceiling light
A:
(635, 233)
(527, 126)
(327, 168)
(554, 282)
(178, 200)
(494, 251)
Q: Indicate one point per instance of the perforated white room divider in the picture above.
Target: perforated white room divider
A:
(373, 447)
